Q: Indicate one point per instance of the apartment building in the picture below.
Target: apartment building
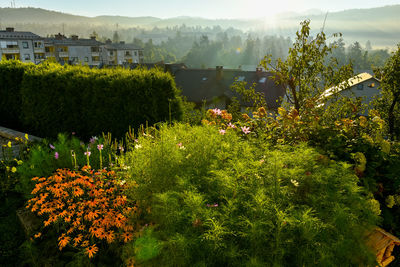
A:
(75, 50)
(29, 47)
(122, 53)
(24, 46)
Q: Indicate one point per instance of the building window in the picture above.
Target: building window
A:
(39, 56)
(25, 45)
(27, 57)
(127, 53)
(360, 86)
(135, 53)
(86, 59)
(111, 53)
(38, 45)
(11, 45)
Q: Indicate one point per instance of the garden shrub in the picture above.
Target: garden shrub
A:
(49, 98)
(88, 207)
(45, 157)
(217, 198)
(11, 76)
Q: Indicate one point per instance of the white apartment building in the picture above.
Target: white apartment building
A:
(24, 46)
(122, 53)
(29, 47)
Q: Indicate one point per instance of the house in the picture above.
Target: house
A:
(122, 53)
(24, 46)
(214, 86)
(75, 50)
(363, 86)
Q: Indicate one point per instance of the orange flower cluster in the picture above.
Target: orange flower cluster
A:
(90, 204)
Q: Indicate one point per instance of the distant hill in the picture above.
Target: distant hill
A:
(379, 25)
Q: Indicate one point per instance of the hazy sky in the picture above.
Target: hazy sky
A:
(199, 8)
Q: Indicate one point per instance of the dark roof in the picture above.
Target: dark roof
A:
(73, 42)
(122, 46)
(19, 35)
(206, 84)
(167, 67)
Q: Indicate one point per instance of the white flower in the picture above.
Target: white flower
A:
(294, 182)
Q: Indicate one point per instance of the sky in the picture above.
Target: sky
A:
(196, 8)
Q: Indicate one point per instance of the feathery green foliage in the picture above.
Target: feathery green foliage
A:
(219, 200)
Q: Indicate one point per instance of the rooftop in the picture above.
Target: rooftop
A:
(11, 34)
(360, 78)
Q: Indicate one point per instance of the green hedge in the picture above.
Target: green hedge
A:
(87, 101)
(11, 75)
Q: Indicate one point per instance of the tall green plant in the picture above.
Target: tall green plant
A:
(215, 198)
(308, 69)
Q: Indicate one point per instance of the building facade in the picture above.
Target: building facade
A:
(29, 47)
(23, 46)
(122, 53)
(75, 51)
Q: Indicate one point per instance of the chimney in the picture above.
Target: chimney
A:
(168, 67)
(259, 72)
(93, 37)
(108, 41)
(9, 29)
(74, 37)
(59, 36)
(219, 74)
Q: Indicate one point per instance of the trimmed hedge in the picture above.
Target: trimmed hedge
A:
(11, 75)
(87, 101)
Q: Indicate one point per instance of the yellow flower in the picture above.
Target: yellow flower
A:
(13, 169)
(26, 137)
(9, 144)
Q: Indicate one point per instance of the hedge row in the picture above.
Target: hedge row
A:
(11, 73)
(55, 98)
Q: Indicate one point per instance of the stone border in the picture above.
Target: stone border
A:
(12, 134)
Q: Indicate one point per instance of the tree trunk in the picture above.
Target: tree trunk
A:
(391, 115)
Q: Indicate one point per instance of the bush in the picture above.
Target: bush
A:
(87, 205)
(50, 98)
(11, 76)
(212, 198)
(65, 152)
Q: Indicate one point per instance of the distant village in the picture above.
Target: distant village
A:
(206, 87)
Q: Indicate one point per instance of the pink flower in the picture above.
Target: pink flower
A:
(52, 147)
(246, 130)
(56, 155)
(180, 144)
(73, 133)
(87, 153)
(222, 131)
(217, 111)
(121, 148)
(93, 139)
(100, 147)
(230, 125)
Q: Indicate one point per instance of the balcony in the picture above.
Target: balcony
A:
(10, 50)
(63, 54)
(38, 49)
(49, 54)
(95, 54)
